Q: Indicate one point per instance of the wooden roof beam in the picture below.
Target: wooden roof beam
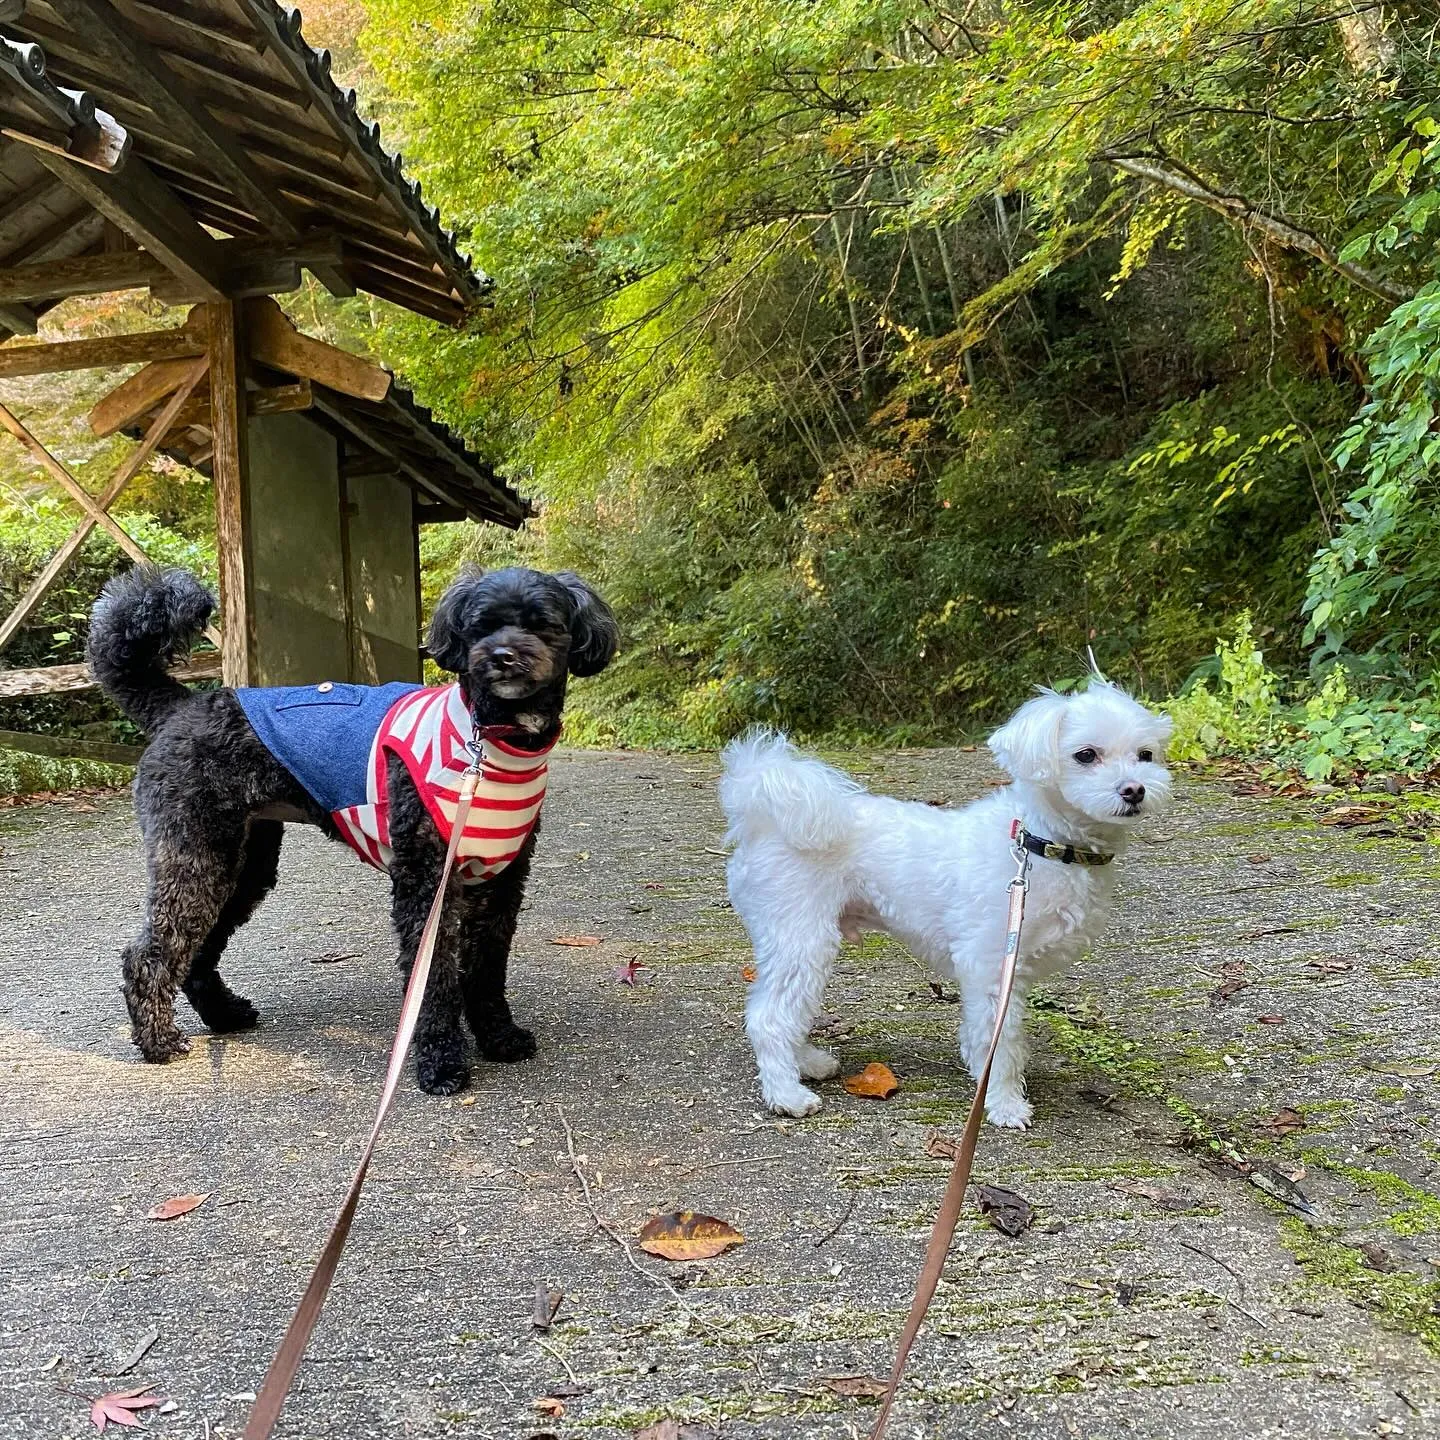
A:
(172, 102)
(100, 353)
(142, 206)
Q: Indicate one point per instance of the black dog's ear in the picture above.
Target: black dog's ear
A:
(594, 635)
(446, 638)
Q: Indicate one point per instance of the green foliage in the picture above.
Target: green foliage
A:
(848, 356)
(1327, 732)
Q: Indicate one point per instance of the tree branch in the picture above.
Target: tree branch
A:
(1247, 216)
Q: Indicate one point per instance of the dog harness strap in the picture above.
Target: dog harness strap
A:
(281, 1374)
(1065, 854)
(948, 1216)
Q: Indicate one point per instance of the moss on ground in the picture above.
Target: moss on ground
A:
(1398, 1298)
(24, 774)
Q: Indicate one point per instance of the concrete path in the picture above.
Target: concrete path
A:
(1161, 1292)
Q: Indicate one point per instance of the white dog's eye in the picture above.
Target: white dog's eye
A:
(1087, 756)
(1144, 756)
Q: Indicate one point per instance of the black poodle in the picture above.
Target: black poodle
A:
(213, 796)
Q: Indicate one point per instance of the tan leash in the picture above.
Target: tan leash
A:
(953, 1199)
(281, 1374)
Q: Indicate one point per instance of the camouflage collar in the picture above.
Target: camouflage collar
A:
(1065, 854)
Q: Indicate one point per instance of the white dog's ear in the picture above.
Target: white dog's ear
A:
(1028, 743)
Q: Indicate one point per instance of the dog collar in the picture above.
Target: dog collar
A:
(1049, 850)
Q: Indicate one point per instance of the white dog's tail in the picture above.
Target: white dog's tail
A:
(770, 788)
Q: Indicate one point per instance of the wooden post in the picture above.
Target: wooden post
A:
(231, 470)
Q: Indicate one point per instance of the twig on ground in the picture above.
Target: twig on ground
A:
(835, 1229)
(605, 1226)
(556, 1355)
(1195, 1249)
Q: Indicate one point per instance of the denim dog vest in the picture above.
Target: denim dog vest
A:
(334, 739)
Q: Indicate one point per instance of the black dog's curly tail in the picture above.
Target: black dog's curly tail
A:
(143, 621)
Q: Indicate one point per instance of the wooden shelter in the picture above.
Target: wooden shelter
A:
(200, 148)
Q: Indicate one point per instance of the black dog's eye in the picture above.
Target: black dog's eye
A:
(1087, 756)
(1144, 756)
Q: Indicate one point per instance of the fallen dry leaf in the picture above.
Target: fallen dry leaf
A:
(547, 1306)
(1279, 1186)
(1331, 965)
(1402, 1068)
(674, 1430)
(1007, 1210)
(1346, 816)
(855, 1384)
(549, 1405)
(1285, 1121)
(626, 974)
(941, 1147)
(176, 1206)
(747, 974)
(1378, 1258)
(1270, 1019)
(684, 1235)
(875, 1082)
(577, 942)
(120, 1407)
(1156, 1194)
(1258, 859)
(1232, 982)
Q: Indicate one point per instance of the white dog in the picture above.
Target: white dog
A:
(818, 859)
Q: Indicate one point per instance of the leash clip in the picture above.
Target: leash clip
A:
(476, 748)
(1021, 855)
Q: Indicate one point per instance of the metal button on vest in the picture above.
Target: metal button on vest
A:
(325, 686)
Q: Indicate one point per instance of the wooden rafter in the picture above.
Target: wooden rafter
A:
(96, 507)
(172, 102)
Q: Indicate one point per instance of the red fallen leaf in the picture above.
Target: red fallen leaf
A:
(1270, 1019)
(684, 1235)
(119, 1407)
(874, 1082)
(577, 942)
(747, 974)
(549, 1405)
(176, 1206)
(628, 971)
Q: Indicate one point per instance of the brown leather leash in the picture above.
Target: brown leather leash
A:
(281, 1374)
(948, 1216)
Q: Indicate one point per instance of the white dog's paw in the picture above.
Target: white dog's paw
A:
(1009, 1112)
(796, 1100)
(817, 1064)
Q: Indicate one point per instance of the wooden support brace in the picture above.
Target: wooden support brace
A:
(122, 477)
(183, 344)
(274, 341)
(61, 679)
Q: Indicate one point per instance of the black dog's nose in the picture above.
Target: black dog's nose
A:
(1132, 792)
(505, 657)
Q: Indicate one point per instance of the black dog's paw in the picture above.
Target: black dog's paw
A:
(161, 1045)
(507, 1045)
(225, 1014)
(441, 1073)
